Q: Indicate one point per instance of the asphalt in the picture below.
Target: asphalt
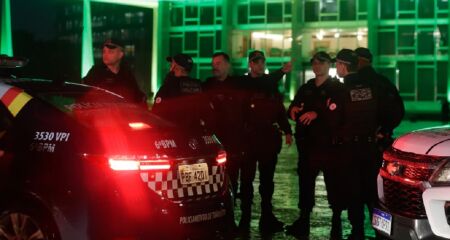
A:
(286, 196)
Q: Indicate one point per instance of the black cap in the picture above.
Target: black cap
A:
(364, 53)
(183, 60)
(321, 56)
(347, 56)
(255, 55)
(113, 43)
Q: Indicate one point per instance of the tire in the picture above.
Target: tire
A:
(18, 222)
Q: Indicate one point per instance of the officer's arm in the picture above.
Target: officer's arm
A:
(283, 120)
(297, 103)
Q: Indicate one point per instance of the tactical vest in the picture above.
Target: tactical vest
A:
(361, 108)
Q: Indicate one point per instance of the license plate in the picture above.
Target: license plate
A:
(382, 221)
(193, 173)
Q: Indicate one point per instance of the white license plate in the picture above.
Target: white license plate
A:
(193, 173)
(382, 221)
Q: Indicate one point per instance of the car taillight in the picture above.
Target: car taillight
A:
(130, 163)
(139, 125)
(221, 157)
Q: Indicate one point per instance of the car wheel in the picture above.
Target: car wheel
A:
(20, 224)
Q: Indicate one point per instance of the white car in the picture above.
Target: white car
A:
(414, 187)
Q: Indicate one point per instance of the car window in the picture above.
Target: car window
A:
(102, 109)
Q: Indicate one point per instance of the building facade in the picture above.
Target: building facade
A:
(409, 39)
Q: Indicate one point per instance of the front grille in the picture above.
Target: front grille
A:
(417, 173)
(403, 199)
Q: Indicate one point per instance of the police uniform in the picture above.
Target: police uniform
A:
(179, 101)
(122, 83)
(226, 121)
(314, 144)
(357, 142)
(391, 111)
(265, 118)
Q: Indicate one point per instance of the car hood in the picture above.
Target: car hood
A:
(429, 141)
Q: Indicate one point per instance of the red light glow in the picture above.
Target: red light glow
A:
(221, 157)
(123, 164)
(139, 126)
(132, 164)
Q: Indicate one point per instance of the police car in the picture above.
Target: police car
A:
(414, 187)
(78, 162)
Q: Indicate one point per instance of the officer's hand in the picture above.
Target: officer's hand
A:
(287, 67)
(289, 139)
(308, 117)
(295, 110)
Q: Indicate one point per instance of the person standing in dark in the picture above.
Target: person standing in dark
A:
(226, 114)
(392, 105)
(179, 98)
(265, 118)
(391, 114)
(317, 114)
(114, 75)
(357, 139)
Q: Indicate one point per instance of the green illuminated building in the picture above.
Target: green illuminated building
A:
(409, 39)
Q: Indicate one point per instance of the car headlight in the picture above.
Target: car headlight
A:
(442, 175)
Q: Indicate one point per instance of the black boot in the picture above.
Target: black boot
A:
(244, 223)
(336, 226)
(268, 223)
(300, 228)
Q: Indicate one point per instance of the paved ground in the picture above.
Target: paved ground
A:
(286, 192)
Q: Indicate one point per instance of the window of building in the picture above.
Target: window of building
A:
(273, 43)
(387, 9)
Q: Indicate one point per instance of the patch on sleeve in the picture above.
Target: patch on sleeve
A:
(158, 100)
(332, 106)
(361, 94)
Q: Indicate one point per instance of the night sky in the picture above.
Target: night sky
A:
(34, 16)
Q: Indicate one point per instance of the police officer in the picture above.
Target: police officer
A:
(356, 137)
(393, 110)
(265, 117)
(316, 113)
(179, 98)
(114, 75)
(226, 113)
(393, 107)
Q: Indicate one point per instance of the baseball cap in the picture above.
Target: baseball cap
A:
(255, 55)
(183, 60)
(321, 56)
(364, 53)
(113, 43)
(347, 56)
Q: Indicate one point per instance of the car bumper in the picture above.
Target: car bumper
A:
(434, 200)
(404, 228)
(164, 220)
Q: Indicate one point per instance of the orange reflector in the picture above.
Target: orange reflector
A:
(221, 157)
(139, 125)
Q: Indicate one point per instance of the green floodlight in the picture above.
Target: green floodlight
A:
(6, 36)
(87, 55)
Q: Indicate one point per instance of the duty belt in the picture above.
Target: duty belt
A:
(353, 139)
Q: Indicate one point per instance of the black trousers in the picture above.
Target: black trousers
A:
(360, 180)
(313, 158)
(233, 165)
(266, 163)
